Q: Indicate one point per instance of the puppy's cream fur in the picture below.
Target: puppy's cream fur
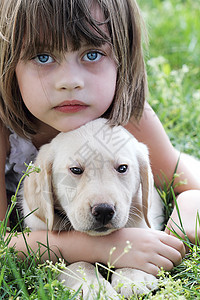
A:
(65, 201)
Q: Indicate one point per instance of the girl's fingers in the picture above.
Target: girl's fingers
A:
(152, 269)
(173, 243)
(171, 259)
(167, 262)
(168, 253)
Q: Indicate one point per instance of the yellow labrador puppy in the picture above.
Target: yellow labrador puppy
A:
(95, 179)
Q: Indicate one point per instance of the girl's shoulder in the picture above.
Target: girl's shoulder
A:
(21, 151)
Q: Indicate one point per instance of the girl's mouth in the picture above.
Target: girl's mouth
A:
(71, 106)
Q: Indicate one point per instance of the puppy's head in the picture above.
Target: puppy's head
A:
(91, 176)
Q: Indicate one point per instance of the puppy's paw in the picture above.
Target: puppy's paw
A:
(83, 274)
(129, 281)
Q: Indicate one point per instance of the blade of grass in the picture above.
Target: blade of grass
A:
(177, 208)
(19, 279)
(2, 274)
(41, 293)
(197, 241)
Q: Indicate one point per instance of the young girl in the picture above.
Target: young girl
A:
(63, 64)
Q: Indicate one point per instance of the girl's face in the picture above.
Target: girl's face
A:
(67, 91)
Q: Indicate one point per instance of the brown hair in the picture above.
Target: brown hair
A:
(27, 26)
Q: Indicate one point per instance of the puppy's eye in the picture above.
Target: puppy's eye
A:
(122, 168)
(76, 170)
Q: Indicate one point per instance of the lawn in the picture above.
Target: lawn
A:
(173, 65)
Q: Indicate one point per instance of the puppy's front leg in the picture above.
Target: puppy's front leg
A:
(84, 274)
(129, 281)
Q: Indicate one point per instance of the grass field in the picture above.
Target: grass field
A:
(173, 65)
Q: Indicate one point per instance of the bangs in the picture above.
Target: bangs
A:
(71, 25)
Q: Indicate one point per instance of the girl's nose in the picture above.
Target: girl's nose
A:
(69, 77)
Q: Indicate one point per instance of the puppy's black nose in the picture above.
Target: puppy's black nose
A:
(103, 213)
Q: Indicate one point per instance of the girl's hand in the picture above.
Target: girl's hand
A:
(188, 205)
(151, 249)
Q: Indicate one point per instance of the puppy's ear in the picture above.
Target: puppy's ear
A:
(38, 188)
(147, 181)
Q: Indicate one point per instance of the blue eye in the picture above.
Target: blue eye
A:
(43, 59)
(92, 56)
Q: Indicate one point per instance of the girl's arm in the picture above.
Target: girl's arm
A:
(163, 155)
(150, 249)
(188, 204)
(4, 149)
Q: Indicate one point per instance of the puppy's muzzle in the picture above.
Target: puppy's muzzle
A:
(103, 214)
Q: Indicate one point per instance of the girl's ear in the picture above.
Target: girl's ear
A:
(147, 181)
(37, 190)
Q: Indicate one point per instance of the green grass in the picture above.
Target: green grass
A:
(173, 65)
